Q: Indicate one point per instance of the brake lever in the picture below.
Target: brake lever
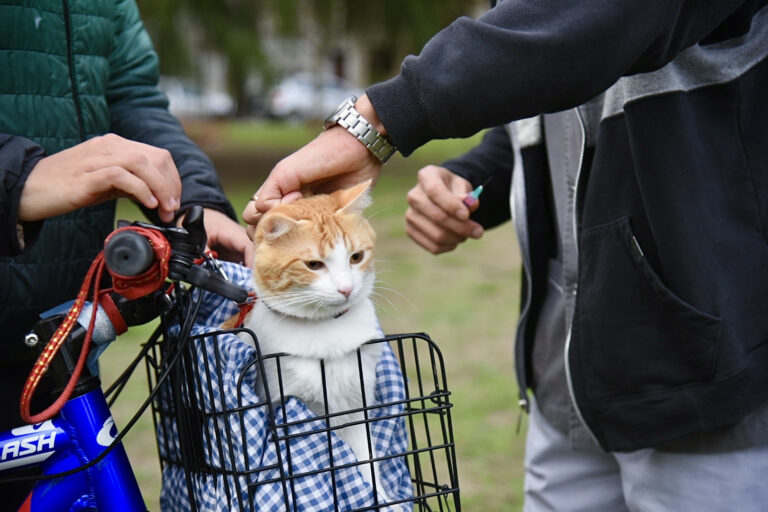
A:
(212, 282)
(188, 244)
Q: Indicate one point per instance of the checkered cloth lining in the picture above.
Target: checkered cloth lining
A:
(244, 433)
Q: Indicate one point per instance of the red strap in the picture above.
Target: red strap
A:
(113, 313)
(209, 254)
(133, 287)
(245, 308)
(50, 350)
(129, 287)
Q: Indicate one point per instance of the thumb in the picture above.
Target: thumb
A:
(291, 197)
(267, 198)
(462, 189)
(471, 202)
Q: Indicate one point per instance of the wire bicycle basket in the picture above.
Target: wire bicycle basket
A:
(227, 441)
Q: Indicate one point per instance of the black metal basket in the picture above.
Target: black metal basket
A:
(212, 460)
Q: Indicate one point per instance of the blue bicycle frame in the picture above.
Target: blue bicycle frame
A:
(84, 428)
(80, 433)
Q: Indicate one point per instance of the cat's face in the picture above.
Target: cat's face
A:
(314, 257)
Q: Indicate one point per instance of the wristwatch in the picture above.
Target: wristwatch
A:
(347, 116)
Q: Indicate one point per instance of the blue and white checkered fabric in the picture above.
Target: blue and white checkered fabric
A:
(245, 463)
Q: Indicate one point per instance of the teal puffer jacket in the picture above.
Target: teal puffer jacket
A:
(71, 70)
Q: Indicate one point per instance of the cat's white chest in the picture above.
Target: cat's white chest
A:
(335, 380)
(321, 358)
(328, 338)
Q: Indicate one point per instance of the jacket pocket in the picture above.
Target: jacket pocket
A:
(635, 335)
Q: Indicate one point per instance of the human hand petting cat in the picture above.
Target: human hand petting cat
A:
(334, 159)
(436, 218)
(97, 170)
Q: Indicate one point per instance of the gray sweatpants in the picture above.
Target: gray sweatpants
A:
(561, 479)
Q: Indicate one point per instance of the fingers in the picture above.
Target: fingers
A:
(248, 256)
(334, 159)
(426, 242)
(227, 237)
(250, 230)
(154, 166)
(428, 235)
(251, 214)
(445, 189)
(98, 170)
(423, 210)
(123, 182)
(436, 218)
(439, 233)
(274, 191)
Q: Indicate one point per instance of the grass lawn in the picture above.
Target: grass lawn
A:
(466, 300)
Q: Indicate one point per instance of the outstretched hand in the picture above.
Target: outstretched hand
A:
(436, 218)
(100, 169)
(334, 159)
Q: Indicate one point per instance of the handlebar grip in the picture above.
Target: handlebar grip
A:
(128, 254)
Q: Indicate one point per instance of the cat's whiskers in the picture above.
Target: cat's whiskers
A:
(379, 286)
(306, 304)
(381, 210)
(391, 310)
(280, 302)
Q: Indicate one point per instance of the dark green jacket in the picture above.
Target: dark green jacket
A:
(72, 70)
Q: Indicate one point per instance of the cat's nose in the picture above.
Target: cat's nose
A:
(345, 291)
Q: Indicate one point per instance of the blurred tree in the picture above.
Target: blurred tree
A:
(228, 27)
(388, 31)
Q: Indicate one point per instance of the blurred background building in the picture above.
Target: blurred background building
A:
(292, 59)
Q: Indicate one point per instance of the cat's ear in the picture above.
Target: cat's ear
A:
(276, 225)
(355, 199)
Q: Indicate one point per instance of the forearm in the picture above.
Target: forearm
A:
(524, 58)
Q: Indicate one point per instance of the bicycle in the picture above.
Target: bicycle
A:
(80, 452)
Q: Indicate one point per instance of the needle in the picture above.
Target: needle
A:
(471, 198)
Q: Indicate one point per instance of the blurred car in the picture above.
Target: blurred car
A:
(309, 96)
(185, 99)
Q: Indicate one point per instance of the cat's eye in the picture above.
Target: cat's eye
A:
(314, 264)
(356, 257)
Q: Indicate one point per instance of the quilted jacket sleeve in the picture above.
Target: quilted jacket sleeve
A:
(17, 158)
(139, 111)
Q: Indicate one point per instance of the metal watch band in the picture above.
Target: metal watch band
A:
(350, 119)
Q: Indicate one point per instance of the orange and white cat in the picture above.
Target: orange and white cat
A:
(313, 276)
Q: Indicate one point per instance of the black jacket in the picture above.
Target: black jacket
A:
(670, 334)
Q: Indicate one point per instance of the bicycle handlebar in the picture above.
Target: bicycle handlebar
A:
(129, 253)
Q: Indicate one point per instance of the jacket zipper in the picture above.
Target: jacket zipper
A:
(72, 76)
(521, 226)
(568, 375)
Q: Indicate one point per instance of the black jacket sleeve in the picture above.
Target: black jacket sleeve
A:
(490, 162)
(525, 58)
(139, 111)
(17, 158)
